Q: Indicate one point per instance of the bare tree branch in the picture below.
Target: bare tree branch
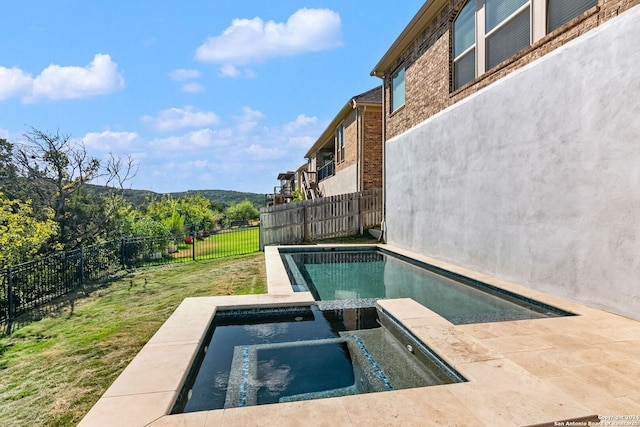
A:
(57, 168)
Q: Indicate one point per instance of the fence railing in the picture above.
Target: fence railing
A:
(323, 218)
(34, 283)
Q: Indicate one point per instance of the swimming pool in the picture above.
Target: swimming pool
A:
(262, 356)
(369, 273)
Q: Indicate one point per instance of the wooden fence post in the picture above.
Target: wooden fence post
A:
(305, 231)
(359, 213)
(321, 218)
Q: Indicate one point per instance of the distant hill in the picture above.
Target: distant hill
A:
(139, 198)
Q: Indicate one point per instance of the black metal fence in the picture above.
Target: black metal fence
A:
(34, 283)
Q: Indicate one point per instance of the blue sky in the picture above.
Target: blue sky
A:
(203, 95)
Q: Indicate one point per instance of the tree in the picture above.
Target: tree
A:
(8, 175)
(56, 169)
(298, 195)
(191, 210)
(243, 211)
(149, 227)
(21, 234)
(175, 224)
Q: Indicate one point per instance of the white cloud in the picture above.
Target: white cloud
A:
(178, 118)
(253, 40)
(182, 74)
(302, 141)
(205, 138)
(14, 82)
(303, 131)
(229, 70)
(100, 77)
(249, 119)
(262, 152)
(246, 156)
(108, 141)
(301, 122)
(192, 87)
(202, 164)
(193, 141)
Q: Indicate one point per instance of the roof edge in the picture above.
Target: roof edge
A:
(351, 104)
(424, 16)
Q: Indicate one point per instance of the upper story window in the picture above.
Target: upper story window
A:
(488, 32)
(397, 88)
(507, 29)
(464, 45)
(340, 143)
(562, 11)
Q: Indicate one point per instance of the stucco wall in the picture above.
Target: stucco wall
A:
(343, 182)
(535, 179)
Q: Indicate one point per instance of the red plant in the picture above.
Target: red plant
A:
(188, 240)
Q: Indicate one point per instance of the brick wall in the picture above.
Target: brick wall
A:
(372, 163)
(371, 123)
(428, 63)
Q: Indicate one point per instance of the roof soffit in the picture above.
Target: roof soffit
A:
(327, 137)
(425, 15)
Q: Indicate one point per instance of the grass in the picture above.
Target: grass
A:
(223, 244)
(57, 363)
(54, 368)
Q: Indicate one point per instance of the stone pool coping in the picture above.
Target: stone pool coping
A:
(526, 372)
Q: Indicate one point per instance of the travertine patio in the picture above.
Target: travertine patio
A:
(525, 372)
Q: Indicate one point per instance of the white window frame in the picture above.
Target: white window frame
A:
(482, 35)
(340, 131)
(473, 46)
(394, 75)
(537, 29)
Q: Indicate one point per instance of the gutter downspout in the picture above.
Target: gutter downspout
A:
(383, 224)
(362, 151)
(359, 142)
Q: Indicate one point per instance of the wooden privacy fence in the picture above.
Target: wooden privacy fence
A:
(322, 218)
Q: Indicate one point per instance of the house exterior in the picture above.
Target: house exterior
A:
(284, 192)
(512, 143)
(442, 56)
(347, 157)
(290, 183)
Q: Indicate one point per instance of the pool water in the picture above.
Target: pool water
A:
(262, 356)
(371, 273)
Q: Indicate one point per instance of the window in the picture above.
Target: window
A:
(397, 89)
(488, 32)
(340, 143)
(464, 45)
(508, 29)
(560, 12)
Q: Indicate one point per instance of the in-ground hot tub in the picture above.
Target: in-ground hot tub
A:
(261, 356)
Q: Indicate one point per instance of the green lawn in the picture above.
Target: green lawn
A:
(54, 369)
(223, 244)
(57, 363)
